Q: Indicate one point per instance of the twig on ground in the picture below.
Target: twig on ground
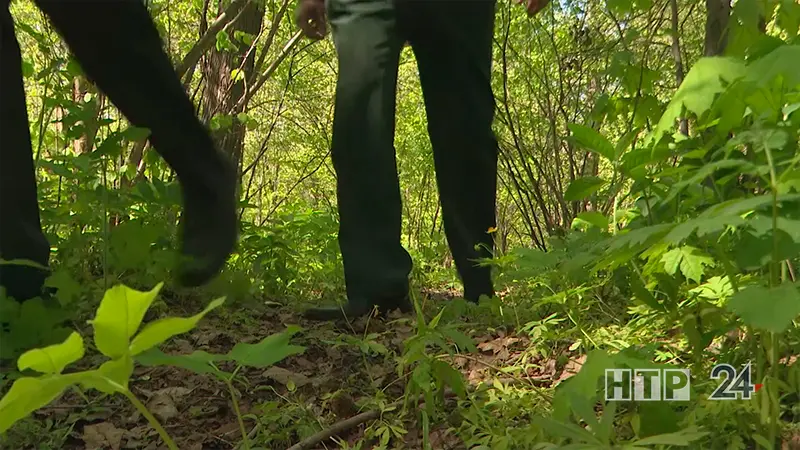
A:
(344, 425)
(336, 429)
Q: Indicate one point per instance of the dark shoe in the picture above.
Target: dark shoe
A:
(209, 228)
(351, 311)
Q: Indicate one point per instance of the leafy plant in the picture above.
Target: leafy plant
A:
(115, 324)
(265, 353)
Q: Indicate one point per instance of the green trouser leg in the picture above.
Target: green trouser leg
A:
(368, 45)
(452, 42)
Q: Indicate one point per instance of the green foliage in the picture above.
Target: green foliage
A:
(118, 318)
(617, 236)
(268, 351)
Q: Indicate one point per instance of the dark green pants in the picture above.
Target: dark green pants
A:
(452, 42)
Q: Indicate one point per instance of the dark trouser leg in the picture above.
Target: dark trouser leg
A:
(368, 46)
(121, 52)
(21, 234)
(452, 41)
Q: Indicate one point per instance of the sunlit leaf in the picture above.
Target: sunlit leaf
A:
(28, 395)
(698, 90)
(119, 316)
(154, 333)
(111, 377)
(593, 218)
(54, 358)
(591, 140)
(583, 187)
(198, 361)
(269, 351)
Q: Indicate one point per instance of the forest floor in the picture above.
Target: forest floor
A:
(344, 371)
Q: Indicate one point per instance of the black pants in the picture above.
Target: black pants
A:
(121, 52)
(452, 41)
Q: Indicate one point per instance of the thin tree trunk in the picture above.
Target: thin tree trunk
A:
(677, 56)
(718, 14)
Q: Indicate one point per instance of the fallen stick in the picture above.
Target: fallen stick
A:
(336, 429)
(352, 422)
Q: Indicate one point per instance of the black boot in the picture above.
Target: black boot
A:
(209, 226)
(353, 310)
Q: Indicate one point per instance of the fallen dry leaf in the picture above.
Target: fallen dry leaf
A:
(443, 439)
(549, 369)
(283, 376)
(163, 406)
(305, 363)
(137, 437)
(206, 336)
(572, 367)
(102, 435)
(498, 345)
(333, 353)
(228, 428)
(474, 376)
(788, 360)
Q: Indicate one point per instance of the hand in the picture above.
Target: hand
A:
(310, 15)
(533, 6)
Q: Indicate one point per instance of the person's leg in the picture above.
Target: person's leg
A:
(376, 265)
(21, 236)
(453, 44)
(121, 52)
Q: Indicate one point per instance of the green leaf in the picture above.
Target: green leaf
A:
(237, 75)
(703, 226)
(221, 122)
(224, 42)
(593, 218)
(580, 188)
(620, 7)
(640, 291)
(67, 289)
(566, 430)
(625, 141)
(54, 358)
(449, 376)
(110, 378)
(593, 141)
(681, 438)
(435, 321)
(741, 206)
(245, 38)
(698, 90)
(197, 362)
(782, 62)
(269, 351)
(707, 170)
(640, 236)
(462, 341)
(119, 316)
(29, 394)
(767, 309)
(154, 333)
(133, 133)
(583, 384)
(690, 261)
(27, 69)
